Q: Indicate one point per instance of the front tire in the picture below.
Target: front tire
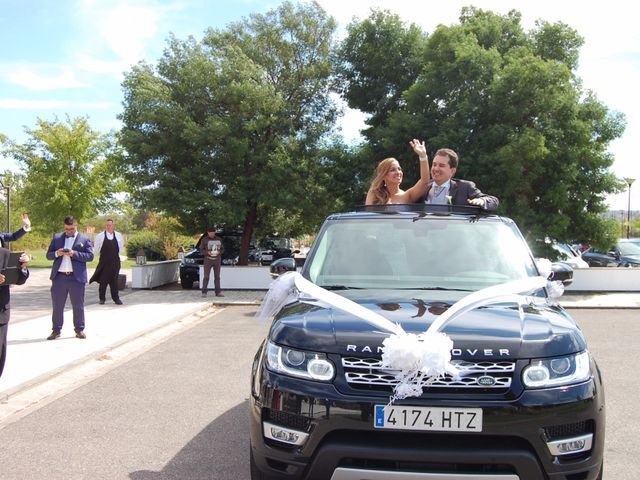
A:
(186, 284)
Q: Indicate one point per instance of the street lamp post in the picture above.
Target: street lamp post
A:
(629, 182)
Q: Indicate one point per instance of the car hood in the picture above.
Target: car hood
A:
(631, 258)
(487, 333)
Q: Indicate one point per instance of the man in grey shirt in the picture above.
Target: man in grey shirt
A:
(211, 249)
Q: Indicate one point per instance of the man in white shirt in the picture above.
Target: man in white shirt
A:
(108, 245)
(70, 251)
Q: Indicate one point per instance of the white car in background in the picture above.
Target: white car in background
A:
(567, 254)
(561, 252)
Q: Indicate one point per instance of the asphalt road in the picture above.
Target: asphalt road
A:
(179, 409)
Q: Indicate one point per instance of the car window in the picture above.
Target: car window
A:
(629, 248)
(428, 253)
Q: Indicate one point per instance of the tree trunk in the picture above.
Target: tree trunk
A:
(247, 232)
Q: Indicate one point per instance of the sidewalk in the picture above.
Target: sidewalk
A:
(32, 359)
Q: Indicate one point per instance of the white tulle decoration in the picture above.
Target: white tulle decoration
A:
(555, 288)
(281, 292)
(415, 360)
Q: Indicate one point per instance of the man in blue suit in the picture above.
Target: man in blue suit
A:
(70, 252)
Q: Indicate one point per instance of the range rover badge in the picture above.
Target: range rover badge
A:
(486, 381)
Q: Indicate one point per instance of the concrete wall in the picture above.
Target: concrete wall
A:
(241, 278)
(605, 279)
(151, 275)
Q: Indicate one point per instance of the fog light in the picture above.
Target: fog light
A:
(285, 435)
(568, 446)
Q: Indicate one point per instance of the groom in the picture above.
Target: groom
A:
(444, 189)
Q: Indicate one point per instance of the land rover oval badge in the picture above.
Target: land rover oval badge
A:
(486, 381)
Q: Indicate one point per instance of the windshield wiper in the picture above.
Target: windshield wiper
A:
(440, 288)
(339, 287)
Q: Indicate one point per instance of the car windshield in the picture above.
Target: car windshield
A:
(629, 248)
(428, 253)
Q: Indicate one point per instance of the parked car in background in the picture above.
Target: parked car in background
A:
(625, 253)
(273, 248)
(301, 256)
(192, 260)
(558, 252)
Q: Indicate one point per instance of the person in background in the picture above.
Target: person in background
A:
(11, 237)
(108, 245)
(211, 248)
(5, 292)
(70, 252)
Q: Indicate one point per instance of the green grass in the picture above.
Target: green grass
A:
(39, 260)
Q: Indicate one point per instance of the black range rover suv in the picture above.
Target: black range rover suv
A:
(529, 405)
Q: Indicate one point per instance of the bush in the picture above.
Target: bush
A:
(150, 242)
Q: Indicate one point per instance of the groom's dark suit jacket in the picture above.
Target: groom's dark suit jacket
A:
(462, 190)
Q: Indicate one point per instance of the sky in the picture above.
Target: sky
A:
(68, 57)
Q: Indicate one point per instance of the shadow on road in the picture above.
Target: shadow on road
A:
(219, 451)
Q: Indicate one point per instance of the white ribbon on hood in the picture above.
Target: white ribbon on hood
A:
(415, 359)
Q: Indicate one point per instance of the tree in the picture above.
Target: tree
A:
(229, 130)
(510, 103)
(68, 169)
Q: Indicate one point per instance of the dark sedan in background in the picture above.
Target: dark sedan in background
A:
(625, 253)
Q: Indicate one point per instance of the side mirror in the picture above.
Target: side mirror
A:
(282, 265)
(561, 272)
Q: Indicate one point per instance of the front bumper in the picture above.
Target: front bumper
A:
(343, 444)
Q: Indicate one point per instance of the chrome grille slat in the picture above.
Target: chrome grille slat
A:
(368, 372)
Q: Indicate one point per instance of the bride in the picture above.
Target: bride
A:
(385, 187)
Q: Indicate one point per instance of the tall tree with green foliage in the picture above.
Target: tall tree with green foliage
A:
(68, 169)
(229, 130)
(512, 106)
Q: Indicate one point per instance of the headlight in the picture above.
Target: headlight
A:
(554, 372)
(189, 260)
(298, 363)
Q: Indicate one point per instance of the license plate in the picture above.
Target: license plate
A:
(428, 418)
(267, 257)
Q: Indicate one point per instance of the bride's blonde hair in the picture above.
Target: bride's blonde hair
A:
(378, 187)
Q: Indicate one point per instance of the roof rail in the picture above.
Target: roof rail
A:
(424, 208)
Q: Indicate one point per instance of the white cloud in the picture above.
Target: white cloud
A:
(18, 104)
(40, 77)
(116, 35)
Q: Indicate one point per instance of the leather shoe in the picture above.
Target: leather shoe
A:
(101, 302)
(53, 336)
(118, 302)
(219, 294)
(80, 334)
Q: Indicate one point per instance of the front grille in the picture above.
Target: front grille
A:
(568, 430)
(366, 373)
(286, 419)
